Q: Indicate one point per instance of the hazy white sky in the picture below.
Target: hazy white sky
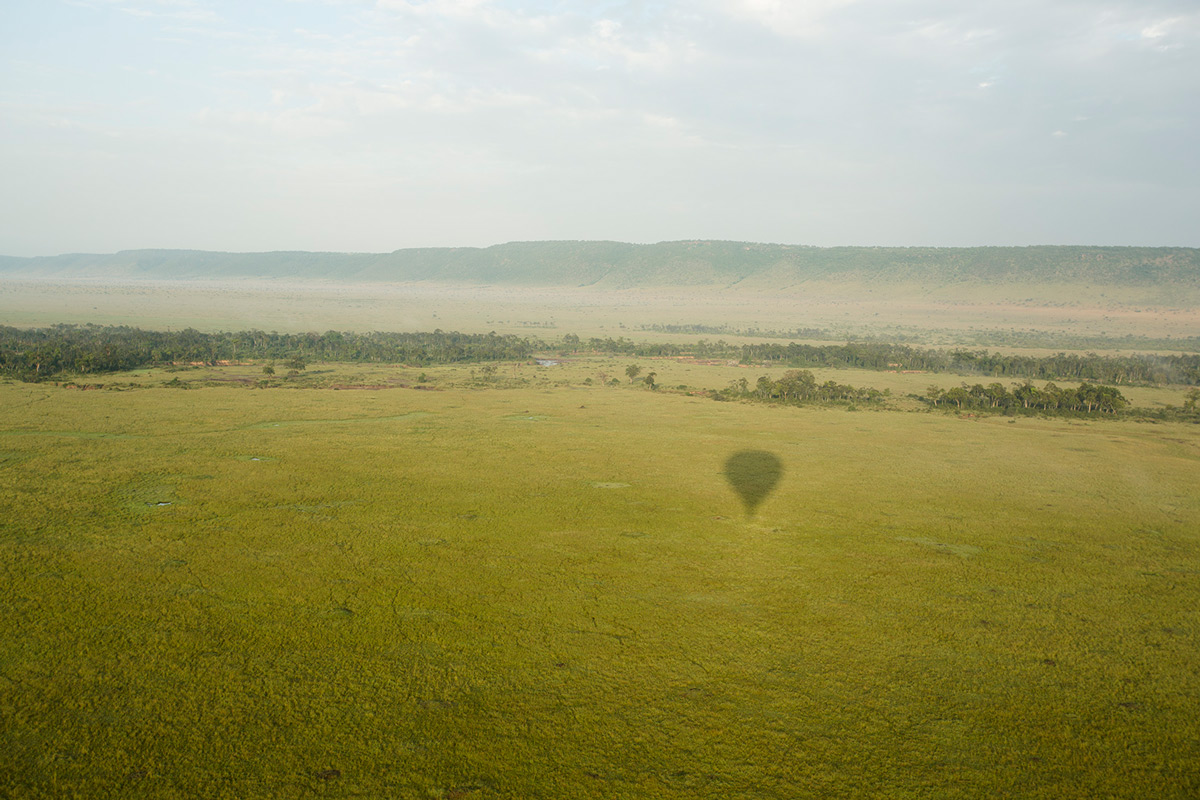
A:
(371, 125)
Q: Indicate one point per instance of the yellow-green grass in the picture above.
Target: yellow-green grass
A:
(671, 374)
(553, 592)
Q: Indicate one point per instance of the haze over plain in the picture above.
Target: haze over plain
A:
(372, 126)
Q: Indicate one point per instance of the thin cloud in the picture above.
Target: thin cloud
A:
(785, 17)
(820, 122)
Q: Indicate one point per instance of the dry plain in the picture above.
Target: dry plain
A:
(937, 315)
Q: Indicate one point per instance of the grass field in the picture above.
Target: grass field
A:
(554, 591)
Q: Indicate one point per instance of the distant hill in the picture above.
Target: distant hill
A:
(615, 265)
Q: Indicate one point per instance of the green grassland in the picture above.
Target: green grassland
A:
(527, 586)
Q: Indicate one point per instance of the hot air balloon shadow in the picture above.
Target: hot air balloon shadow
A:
(753, 474)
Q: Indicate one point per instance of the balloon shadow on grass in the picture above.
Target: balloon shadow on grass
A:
(753, 474)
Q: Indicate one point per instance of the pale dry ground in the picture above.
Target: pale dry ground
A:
(552, 312)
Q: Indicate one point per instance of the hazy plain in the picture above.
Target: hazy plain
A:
(937, 315)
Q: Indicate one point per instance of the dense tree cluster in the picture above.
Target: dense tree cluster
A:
(1086, 398)
(37, 354)
(798, 387)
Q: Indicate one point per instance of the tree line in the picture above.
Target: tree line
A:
(726, 330)
(42, 353)
(800, 387)
(1126, 370)
(1085, 398)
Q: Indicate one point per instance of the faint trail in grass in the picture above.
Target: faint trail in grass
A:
(74, 434)
(962, 550)
(314, 508)
(287, 423)
(9, 457)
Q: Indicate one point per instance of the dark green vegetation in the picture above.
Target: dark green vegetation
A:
(39, 354)
(618, 265)
(800, 387)
(1038, 339)
(1085, 398)
(80, 352)
(92, 349)
(554, 590)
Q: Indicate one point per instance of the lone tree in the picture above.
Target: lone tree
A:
(650, 379)
(633, 370)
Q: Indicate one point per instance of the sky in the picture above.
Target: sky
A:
(374, 125)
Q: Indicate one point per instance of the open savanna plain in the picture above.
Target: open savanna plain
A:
(1109, 318)
(529, 586)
